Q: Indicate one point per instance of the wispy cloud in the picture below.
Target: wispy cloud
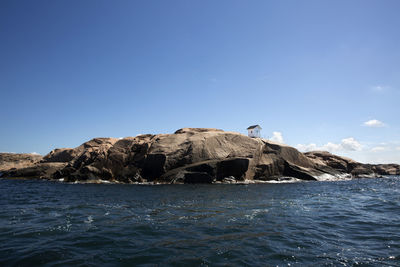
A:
(398, 148)
(277, 137)
(378, 149)
(374, 123)
(379, 88)
(347, 144)
(264, 77)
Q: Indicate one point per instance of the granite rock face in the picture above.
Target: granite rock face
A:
(190, 155)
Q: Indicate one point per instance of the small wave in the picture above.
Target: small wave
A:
(54, 214)
(89, 219)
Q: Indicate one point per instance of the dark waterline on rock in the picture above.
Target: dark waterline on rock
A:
(345, 223)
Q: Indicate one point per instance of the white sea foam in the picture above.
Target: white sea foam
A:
(255, 212)
(337, 177)
(282, 180)
(95, 181)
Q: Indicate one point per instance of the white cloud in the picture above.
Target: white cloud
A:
(347, 144)
(378, 149)
(378, 88)
(398, 148)
(351, 144)
(331, 147)
(309, 147)
(277, 137)
(374, 123)
(34, 153)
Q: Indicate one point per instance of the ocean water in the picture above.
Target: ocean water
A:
(342, 223)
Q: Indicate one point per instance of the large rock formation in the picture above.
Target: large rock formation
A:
(190, 155)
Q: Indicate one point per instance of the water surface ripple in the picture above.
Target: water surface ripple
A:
(346, 223)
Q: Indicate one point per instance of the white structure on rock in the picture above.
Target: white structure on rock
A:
(254, 131)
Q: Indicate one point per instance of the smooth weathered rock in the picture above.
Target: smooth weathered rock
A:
(60, 155)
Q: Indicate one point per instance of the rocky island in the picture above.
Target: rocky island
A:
(190, 155)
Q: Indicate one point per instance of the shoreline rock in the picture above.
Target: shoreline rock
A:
(190, 155)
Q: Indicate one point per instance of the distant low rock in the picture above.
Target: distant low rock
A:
(16, 161)
(38, 170)
(190, 155)
(27, 166)
(356, 169)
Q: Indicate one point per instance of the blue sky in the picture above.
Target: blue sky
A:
(313, 74)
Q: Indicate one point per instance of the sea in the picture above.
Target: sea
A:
(333, 223)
